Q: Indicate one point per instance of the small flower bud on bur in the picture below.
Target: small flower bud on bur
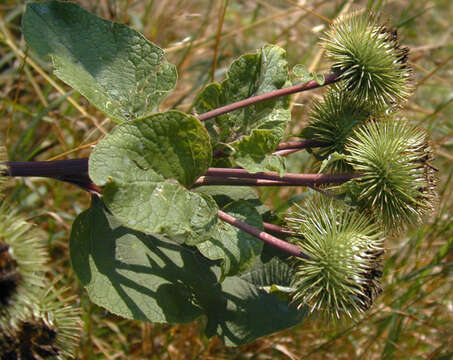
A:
(341, 276)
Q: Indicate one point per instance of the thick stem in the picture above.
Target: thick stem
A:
(46, 168)
(330, 79)
(74, 171)
(284, 246)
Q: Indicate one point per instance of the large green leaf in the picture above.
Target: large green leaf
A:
(113, 66)
(141, 165)
(143, 277)
(251, 133)
(235, 248)
(163, 208)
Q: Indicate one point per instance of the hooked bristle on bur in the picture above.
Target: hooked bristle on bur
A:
(372, 62)
(50, 331)
(332, 121)
(397, 183)
(341, 277)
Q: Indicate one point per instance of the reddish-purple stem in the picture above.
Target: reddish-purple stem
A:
(286, 148)
(284, 246)
(309, 143)
(285, 152)
(213, 180)
(46, 168)
(329, 79)
(296, 179)
(290, 147)
(76, 172)
(275, 228)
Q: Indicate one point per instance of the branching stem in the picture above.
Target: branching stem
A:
(75, 171)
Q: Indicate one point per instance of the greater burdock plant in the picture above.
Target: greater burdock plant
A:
(175, 230)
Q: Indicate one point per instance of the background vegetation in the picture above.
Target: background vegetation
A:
(42, 119)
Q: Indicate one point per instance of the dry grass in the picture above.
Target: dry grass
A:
(41, 118)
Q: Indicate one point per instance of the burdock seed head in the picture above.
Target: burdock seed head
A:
(397, 183)
(22, 265)
(341, 278)
(50, 331)
(332, 121)
(372, 62)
